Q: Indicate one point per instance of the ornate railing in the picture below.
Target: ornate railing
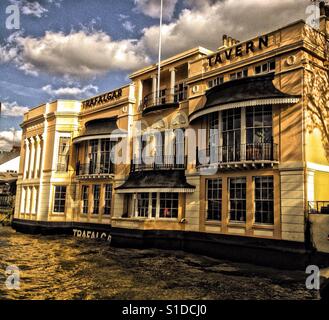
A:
(318, 207)
(6, 202)
(241, 153)
(159, 163)
(94, 169)
(155, 99)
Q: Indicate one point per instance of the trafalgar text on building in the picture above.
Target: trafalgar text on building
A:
(232, 150)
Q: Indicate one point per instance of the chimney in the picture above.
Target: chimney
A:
(322, 6)
(224, 40)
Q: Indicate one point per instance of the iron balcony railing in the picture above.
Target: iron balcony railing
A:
(159, 163)
(94, 169)
(241, 153)
(165, 97)
(318, 207)
(6, 201)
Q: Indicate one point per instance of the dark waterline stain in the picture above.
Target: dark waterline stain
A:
(60, 267)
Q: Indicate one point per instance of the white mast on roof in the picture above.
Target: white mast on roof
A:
(160, 52)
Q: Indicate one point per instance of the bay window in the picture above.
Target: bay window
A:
(231, 135)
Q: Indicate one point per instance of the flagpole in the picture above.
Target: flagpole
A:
(160, 52)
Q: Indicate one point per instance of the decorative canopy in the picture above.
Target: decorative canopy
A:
(101, 129)
(156, 181)
(245, 92)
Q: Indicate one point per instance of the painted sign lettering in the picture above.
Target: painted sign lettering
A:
(88, 234)
(239, 51)
(107, 97)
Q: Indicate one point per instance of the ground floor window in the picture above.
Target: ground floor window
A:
(85, 199)
(264, 200)
(214, 200)
(96, 193)
(169, 205)
(143, 205)
(108, 199)
(237, 187)
(156, 205)
(60, 199)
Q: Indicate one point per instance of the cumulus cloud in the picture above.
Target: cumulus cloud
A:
(202, 23)
(77, 54)
(12, 109)
(129, 26)
(70, 91)
(82, 54)
(8, 138)
(30, 8)
(7, 53)
(151, 8)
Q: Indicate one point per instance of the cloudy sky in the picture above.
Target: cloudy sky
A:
(72, 49)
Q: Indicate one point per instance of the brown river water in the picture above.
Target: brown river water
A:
(62, 267)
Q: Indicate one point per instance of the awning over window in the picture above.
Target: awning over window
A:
(101, 129)
(245, 92)
(156, 181)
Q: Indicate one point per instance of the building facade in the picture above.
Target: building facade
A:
(234, 146)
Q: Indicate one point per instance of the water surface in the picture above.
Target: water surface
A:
(62, 267)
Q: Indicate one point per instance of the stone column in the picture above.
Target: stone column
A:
(38, 157)
(172, 83)
(27, 157)
(140, 95)
(154, 88)
(32, 159)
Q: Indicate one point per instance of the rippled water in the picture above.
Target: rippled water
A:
(59, 267)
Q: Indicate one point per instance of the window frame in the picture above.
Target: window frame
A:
(108, 198)
(219, 199)
(237, 200)
(268, 69)
(269, 181)
(60, 199)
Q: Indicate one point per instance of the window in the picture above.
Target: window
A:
(168, 205)
(108, 199)
(180, 92)
(162, 96)
(105, 164)
(93, 156)
(96, 193)
(63, 154)
(265, 67)
(264, 200)
(85, 199)
(213, 136)
(237, 199)
(154, 199)
(259, 133)
(214, 200)
(215, 82)
(231, 135)
(238, 75)
(60, 198)
(143, 205)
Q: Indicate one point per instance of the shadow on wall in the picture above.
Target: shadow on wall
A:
(317, 93)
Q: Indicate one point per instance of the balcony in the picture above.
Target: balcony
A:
(155, 101)
(158, 163)
(242, 155)
(318, 207)
(94, 171)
